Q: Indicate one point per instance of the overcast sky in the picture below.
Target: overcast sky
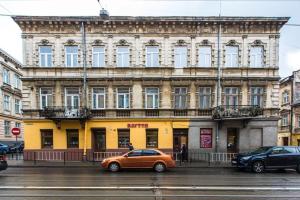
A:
(10, 34)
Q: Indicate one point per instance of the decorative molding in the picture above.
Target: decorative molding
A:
(44, 42)
(98, 42)
(181, 43)
(70, 42)
(122, 42)
(232, 43)
(244, 36)
(152, 43)
(205, 42)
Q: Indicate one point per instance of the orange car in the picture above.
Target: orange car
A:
(142, 158)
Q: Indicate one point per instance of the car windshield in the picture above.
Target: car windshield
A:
(261, 150)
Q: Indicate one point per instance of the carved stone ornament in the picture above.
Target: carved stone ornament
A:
(181, 42)
(122, 42)
(205, 42)
(44, 42)
(232, 43)
(98, 42)
(152, 43)
(71, 42)
(257, 42)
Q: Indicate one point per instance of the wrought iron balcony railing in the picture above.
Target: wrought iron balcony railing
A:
(235, 111)
(65, 112)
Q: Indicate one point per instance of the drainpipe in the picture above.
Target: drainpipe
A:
(84, 86)
(292, 111)
(219, 83)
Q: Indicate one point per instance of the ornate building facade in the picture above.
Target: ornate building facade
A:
(10, 97)
(94, 85)
(289, 125)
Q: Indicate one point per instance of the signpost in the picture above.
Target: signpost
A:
(16, 131)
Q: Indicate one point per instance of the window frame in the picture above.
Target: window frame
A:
(205, 95)
(46, 56)
(17, 81)
(285, 97)
(6, 103)
(17, 106)
(7, 128)
(148, 131)
(181, 96)
(284, 120)
(73, 132)
(256, 56)
(6, 76)
(123, 133)
(72, 106)
(183, 57)
(123, 56)
(231, 97)
(48, 104)
(43, 137)
(205, 55)
(231, 56)
(95, 98)
(126, 95)
(259, 96)
(73, 56)
(98, 55)
(154, 96)
(152, 56)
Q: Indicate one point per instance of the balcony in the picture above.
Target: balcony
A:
(232, 111)
(64, 112)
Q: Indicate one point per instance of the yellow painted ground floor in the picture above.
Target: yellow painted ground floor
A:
(103, 135)
(284, 139)
(296, 139)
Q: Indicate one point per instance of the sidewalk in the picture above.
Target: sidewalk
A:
(84, 164)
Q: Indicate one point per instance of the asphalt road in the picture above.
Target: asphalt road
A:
(180, 183)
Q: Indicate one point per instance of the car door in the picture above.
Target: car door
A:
(149, 157)
(133, 159)
(276, 158)
(292, 156)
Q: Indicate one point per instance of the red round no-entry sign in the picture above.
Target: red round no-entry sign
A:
(16, 131)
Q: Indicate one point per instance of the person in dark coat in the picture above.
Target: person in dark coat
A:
(183, 152)
(130, 147)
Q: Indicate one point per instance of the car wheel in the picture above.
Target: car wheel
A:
(114, 167)
(160, 167)
(258, 167)
(298, 168)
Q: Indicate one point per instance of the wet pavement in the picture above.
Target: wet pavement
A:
(180, 183)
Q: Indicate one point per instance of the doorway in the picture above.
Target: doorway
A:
(232, 140)
(285, 141)
(99, 140)
(180, 137)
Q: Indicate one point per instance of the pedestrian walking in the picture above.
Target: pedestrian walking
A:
(183, 153)
(130, 147)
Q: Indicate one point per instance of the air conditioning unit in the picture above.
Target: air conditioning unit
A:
(71, 113)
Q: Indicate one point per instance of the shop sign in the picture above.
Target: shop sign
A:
(137, 125)
(205, 137)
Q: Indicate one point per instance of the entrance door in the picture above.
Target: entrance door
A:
(180, 137)
(232, 140)
(285, 141)
(99, 140)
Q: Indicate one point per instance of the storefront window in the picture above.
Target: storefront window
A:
(47, 138)
(151, 138)
(72, 138)
(123, 138)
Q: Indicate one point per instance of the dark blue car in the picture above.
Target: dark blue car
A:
(4, 149)
(270, 157)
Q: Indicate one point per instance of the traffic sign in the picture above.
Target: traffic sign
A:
(16, 131)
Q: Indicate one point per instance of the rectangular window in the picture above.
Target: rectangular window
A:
(6, 103)
(123, 138)
(180, 97)
(45, 53)
(6, 128)
(151, 138)
(284, 120)
(204, 56)
(231, 96)
(204, 97)
(152, 97)
(72, 138)
(72, 98)
(17, 106)
(71, 56)
(17, 81)
(180, 57)
(122, 56)
(285, 97)
(6, 78)
(256, 57)
(257, 96)
(232, 56)
(18, 124)
(46, 97)
(47, 138)
(98, 57)
(123, 97)
(98, 98)
(152, 56)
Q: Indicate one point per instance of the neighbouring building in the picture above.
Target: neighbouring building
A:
(289, 125)
(10, 97)
(92, 84)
